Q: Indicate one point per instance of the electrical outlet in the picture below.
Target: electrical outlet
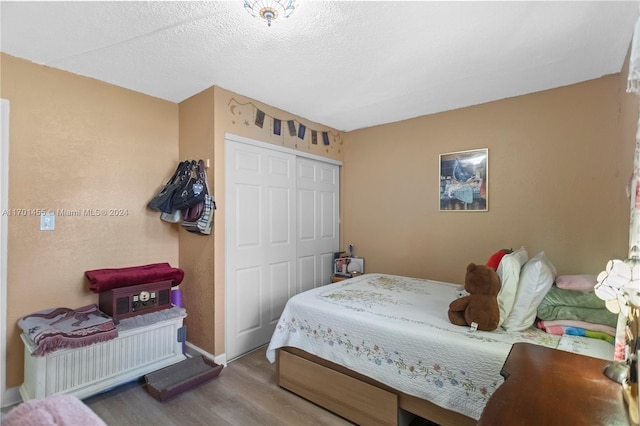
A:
(48, 222)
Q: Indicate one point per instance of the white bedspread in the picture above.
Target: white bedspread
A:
(396, 330)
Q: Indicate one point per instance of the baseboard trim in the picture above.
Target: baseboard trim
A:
(11, 397)
(193, 349)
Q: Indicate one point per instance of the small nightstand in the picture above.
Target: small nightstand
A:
(545, 386)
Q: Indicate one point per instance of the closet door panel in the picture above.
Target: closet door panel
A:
(328, 218)
(326, 262)
(307, 271)
(279, 288)
(248, 288)
(260, 229)
(279, 219)
(247, 227)
(306, 215)
(317, 190)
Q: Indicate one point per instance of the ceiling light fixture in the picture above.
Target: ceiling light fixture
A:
(270, 10)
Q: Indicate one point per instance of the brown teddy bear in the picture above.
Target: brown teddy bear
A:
(481, 305)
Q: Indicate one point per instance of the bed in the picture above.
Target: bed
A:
(371, 347)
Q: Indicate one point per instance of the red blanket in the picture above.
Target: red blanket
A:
(101, 280)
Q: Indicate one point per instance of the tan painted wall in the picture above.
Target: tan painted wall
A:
(559, 164)
(77, 143)
(196, 251)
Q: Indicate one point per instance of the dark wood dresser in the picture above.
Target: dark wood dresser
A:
(545, 387)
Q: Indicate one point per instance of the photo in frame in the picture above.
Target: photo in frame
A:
(464, 180)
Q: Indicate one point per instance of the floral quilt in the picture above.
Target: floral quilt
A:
(395, 330)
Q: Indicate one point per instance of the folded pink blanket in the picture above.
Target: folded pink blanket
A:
(53, 329)
(101, 280)
(578, 328)
(59, 410)
(580, 324)
(562, 330)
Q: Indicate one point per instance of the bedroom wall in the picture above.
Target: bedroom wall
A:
(77, 143)
(559, 164)
(197, 251)
(89, 144)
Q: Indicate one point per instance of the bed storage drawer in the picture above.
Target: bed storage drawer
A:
(346, 396)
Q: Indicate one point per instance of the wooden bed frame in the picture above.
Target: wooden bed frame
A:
(353, 396)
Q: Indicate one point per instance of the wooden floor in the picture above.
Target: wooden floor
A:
(245, 393)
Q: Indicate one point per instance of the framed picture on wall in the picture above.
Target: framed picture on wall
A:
(464, 181)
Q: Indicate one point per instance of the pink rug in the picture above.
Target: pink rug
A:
(58, 410)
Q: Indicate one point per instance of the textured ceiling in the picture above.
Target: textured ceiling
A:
(345, 64)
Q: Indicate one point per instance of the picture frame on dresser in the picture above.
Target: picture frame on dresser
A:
(464, 181)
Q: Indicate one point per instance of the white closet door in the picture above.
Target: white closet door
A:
(260, 241)
(318, 186)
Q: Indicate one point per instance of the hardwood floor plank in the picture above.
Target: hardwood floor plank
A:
(245, 393)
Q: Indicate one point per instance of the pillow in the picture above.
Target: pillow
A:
(577, 282)
(494, 260)
(536, 279)
(509, 273)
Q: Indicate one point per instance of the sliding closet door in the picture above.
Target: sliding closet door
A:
(318, 186)
(260, 241)
(281, 230)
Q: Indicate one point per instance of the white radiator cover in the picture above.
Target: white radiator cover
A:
(95, 368)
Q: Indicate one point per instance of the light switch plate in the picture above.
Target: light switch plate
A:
(48, 222)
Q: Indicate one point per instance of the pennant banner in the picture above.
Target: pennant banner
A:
(325, 138)
(260, 116)
(292, 127)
